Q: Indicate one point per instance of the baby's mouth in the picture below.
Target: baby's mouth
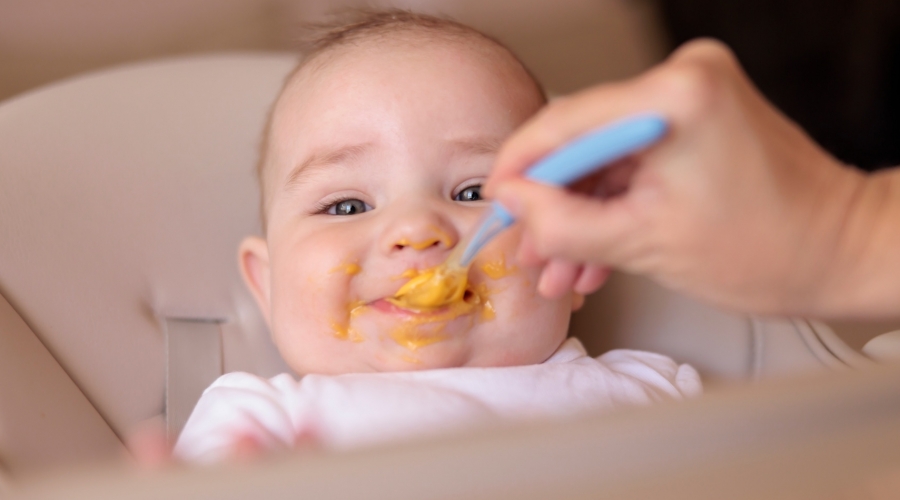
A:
(385, 306)
(469, 300)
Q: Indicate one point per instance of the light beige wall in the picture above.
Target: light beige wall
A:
(568, 43)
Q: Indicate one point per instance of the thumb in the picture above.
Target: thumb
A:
(564, 224)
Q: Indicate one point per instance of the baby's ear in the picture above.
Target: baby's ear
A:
(253, 256)
(577, 301)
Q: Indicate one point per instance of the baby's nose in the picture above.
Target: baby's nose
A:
(425, 231)
(434, 241)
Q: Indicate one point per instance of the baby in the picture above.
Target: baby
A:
(371, 172)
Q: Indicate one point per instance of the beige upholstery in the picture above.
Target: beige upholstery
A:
(123, 196)
(828, 438)
(885, 347)
(633, 312)
(42, 406)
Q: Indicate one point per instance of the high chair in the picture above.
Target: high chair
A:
(123, 196)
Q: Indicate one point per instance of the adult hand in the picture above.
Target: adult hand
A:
(736, 205)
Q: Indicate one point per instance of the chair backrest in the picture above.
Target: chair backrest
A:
(123, 196)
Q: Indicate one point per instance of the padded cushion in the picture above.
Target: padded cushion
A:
(725, 347)
(123, 197)
(40, 407)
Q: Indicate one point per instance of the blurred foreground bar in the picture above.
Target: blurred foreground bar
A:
(821, 438)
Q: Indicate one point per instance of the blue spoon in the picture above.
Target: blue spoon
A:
(585, 155)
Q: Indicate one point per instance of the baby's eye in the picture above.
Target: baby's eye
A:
(348, 207)
(471, 193)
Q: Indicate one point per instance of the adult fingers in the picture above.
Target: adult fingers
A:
(679, 88)
(527, 254)
(591, 279)
(561, 224)
(557, 278)
(561, 121)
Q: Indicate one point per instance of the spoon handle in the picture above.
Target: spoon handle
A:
(584, 155)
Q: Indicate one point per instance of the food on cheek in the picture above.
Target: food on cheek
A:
(496, 269)
(348, 268)
(411, 336)
(342, 329)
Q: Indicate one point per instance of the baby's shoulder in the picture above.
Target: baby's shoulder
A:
(653, 369)
(624, 357)
(244, 381)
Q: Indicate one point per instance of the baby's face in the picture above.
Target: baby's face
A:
(376, 160)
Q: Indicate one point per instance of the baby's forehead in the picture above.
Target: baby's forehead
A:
(465, 51)
(329, 76)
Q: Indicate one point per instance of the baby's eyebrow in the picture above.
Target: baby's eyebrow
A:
(478, 145)
(325, 158)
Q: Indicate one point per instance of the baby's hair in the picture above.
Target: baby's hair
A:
(351, 26)
(354, 26)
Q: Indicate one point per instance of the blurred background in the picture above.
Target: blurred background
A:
(832, 65)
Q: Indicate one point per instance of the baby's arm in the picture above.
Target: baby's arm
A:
(237, 414)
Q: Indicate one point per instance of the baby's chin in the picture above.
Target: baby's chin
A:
(469, 350)
(409, 350)
(383, 339)
(392, 357)
(385, 354)
(445, 356)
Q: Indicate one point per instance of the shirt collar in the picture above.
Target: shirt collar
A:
(569, 350)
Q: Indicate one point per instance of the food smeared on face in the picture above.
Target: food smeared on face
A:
(405, 135)
(440, 238)
(496, 269)
(442, 285)
(426, 327)
(342, 329)
(431, 289)
(423, 320)
(441, 294)
(348, 268)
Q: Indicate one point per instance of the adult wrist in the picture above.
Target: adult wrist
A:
(863, 279)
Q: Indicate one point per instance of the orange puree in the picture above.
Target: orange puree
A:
(419, 245)
(343, 330)
(439, 294)
(409, 336)
(497, 269)
(442, 285)
(431, 289)
(350, 268)
(412, 333)
(442, 237)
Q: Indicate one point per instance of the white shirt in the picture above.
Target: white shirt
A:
(344, 411)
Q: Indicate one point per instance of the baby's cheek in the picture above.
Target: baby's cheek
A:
(310, 293)
(314, 315)
(536, 325)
